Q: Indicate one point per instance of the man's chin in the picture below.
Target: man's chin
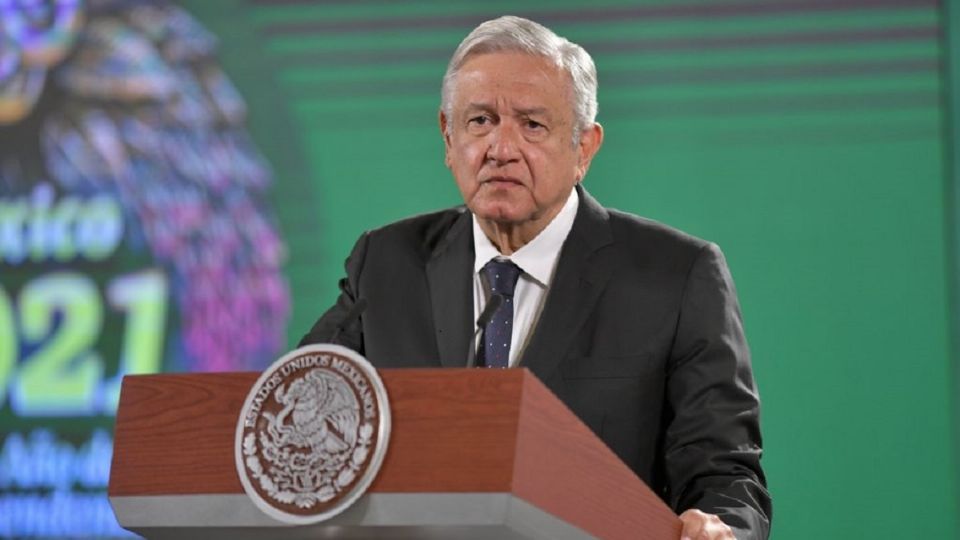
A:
(501, 215)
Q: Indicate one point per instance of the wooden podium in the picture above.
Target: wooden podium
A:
(473, 453)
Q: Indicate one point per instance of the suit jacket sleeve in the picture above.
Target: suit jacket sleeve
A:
(325, 328)
(712, 442)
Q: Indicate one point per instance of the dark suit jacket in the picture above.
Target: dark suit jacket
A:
(640, 336)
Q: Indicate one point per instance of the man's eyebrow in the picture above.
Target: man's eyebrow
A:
(533, 111)
(476, 106)
(528, 111)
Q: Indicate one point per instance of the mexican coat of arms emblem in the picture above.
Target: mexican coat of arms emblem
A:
(312, 434)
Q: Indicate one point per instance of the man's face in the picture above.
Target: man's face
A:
(509, 138)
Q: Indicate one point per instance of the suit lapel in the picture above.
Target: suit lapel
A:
(450, 278)
(582, 274)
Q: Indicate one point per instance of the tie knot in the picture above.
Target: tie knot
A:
(501, 276)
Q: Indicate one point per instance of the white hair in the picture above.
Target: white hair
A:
(516, 34)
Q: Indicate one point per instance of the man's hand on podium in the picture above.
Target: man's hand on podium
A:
(698, 525)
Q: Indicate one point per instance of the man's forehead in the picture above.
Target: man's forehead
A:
(521, 82)
(511, 67)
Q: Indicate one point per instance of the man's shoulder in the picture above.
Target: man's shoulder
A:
(421, 233)
(631, 230)
(663, 255)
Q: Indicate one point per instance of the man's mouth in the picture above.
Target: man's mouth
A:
(501, 180)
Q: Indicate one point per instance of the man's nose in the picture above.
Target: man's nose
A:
(504, 143)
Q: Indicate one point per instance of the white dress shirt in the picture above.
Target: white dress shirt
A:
(538, 264)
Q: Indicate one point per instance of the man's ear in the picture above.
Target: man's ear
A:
(590, 141)
(444, 125)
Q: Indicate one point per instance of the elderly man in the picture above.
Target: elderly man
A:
(634, 325)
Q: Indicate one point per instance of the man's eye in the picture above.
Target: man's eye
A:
(534, 125)
(479, 120)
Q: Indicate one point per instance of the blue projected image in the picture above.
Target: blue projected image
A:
(136, 236)
(50, 488)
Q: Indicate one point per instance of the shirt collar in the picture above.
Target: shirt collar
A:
(538, 258)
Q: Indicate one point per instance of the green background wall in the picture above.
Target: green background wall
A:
(806, 138)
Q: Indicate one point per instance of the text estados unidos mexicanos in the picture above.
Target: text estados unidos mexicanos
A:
(344, 367)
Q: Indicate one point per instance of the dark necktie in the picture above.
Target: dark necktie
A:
(502, 278)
